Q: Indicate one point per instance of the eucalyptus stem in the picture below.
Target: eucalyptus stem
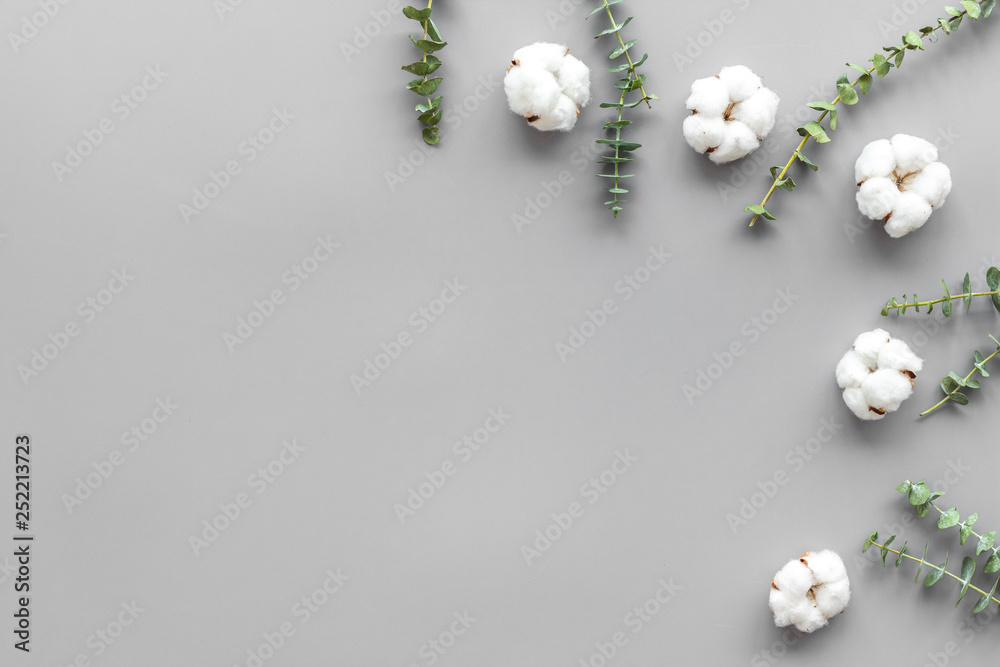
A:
(881, 66)
(953, 383)
(940, 568)
(431, 42)
(632, 81)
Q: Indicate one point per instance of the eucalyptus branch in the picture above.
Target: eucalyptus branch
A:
(431, 42)
(953, 382)
(922, 499)
(938, 571)
(992, 279)
(631, 82)
(881, 65)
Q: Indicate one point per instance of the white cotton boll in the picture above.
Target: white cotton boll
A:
(909, 214)
(531, 91)
(739, 141)
(876, 375)
(546, 86)
(933, 184)
(708, 96)
(897, 355)
(912, 153)
(573, 77)
(562, 117)
(740, 82)
(868, 345)
(810, 590)
(542, 54)
(851, 371)
(704, 132)
(759, 111)
(855, 399)
(876, 159)
(877, 197)
(886, 389)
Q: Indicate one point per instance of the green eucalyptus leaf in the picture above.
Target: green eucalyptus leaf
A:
(964, 534)
(922, 509)
(899, 558)
(904, 487)
(967, 291)
(913, 41)
(992, 564)
(806, 161)
(882, 66)
(948, 519)
(847, 93)
(986, 542)
(417, 14)
(431, 135)
(936, 575)
(968, 569)
(919, 493)
(972, 8)
(987, 7)
(816, 131)
(984, 601)
(959, 397)
(757, 209)
(920, 568)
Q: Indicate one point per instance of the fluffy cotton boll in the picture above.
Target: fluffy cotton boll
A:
(759, 111)
(708, 97)
(909, 214)
(547, 86)
(739, 141)
(869, 344)
(808, 591)
(704, 132)
(886, 389)
(876, 159)
(531, 91)
(897, 355)
(912, 153)
(933, 184)
(562, 117)
(740, 82)
(877, 197)
(574, 78)
(542, 54)
(855, 399)
(851, 371)
(876, 375)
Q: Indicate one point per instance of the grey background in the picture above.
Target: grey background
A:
(494, 347)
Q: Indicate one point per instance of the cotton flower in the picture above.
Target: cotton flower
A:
(809, 591)
(877, 374)
(731, 113)
(547, 86)
(901, 182)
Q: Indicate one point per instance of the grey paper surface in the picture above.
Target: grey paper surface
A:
(257, 221)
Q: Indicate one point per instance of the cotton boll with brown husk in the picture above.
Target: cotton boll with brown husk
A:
(731, 113)
(877, 374)
(901, 182)
(808, 591)
(547, 86)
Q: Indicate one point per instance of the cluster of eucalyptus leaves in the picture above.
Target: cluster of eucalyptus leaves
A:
(630, 82)
(953, 384)
(922, 499)
(847, 93)
(425, 86)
